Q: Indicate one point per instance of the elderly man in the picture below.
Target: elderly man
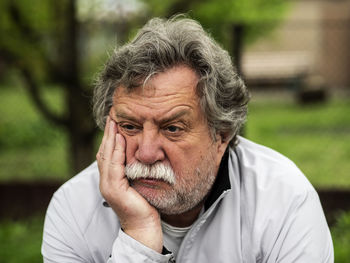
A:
(173, 180)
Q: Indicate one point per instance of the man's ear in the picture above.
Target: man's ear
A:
(222, 142)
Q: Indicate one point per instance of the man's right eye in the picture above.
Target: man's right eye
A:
(128, 127)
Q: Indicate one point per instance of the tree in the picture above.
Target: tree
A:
(234, 23)
(40, 39)
(43, 40)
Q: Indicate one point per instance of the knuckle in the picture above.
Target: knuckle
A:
(114, 164)
(119, 150)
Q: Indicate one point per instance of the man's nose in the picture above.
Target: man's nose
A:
(150, 148)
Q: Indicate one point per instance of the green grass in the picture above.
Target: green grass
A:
(316, 138)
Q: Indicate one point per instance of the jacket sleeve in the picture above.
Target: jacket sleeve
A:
(304, 236)
(127, 249)
(64, 239)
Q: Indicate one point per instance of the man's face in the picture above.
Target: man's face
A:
(162, 123)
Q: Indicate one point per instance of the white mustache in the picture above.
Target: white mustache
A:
(158, 171)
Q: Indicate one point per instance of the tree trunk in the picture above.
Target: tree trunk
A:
(237, 49)
(81, 149)
(65, 72)
(81, 127)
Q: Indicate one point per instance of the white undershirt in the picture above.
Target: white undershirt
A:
(173, 236)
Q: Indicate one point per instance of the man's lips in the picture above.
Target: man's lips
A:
(150, 182)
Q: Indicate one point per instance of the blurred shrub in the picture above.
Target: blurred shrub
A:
(21, 241)
(31, 148)
(341, 238)
(27, 135)
(22, 126)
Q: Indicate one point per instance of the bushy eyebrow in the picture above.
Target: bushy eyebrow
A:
(171, 118)
(175, 116)
(124, 115)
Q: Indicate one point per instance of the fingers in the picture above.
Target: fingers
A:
(118, 156)
(111, 155)
(105, 133)
(109, 144)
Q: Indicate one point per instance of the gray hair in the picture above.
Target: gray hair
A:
(162, 44)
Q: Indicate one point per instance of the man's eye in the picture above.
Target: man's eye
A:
(172, 129)
(128, 127)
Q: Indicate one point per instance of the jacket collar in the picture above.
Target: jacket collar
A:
(222, 181)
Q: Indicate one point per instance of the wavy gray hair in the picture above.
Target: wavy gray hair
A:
(162, 44)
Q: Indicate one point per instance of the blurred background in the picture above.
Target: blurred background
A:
(294, 56)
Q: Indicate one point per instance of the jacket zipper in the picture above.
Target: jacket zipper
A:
(196, 227)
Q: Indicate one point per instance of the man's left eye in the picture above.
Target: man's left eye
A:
(172, 129)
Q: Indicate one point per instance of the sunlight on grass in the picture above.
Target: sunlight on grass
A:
(314, 137)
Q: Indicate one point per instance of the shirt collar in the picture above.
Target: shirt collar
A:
(222, 181)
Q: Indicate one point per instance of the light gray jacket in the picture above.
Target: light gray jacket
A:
(261, 209)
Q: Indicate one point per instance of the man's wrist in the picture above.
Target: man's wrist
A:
(127, 247)
(148, 232)
(150, 237)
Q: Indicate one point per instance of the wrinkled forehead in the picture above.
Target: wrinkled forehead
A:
(166, 93)
(180, 79)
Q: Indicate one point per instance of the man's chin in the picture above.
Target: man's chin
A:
(158, 197)
(150, 190)
(165, 201)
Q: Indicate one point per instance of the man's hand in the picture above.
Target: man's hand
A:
(137, 217)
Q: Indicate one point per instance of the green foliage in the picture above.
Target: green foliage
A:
(341, 238)
(20, 241)
(21, 124)
(257, 16)
(30, 147)
(36, 39)
(27, 26)
(42, 47)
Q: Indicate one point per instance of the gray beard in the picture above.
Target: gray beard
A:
(188, 190)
